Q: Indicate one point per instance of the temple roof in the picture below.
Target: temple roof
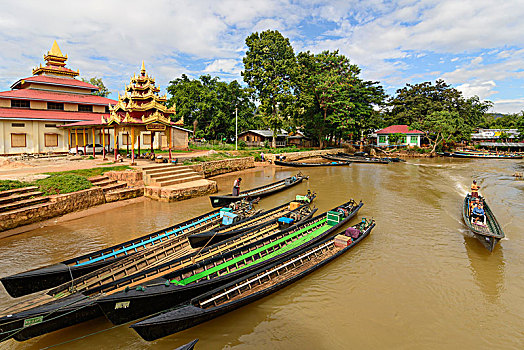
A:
(55, 64)
(51, 115)
(43, 95)
(47, 80)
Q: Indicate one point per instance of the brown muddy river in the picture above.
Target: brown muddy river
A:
(419, 281)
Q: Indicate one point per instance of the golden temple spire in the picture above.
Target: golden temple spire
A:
(143, 69)
(55, 50)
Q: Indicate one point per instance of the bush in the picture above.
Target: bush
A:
(63, 183)
(6, 185)
(242, 144)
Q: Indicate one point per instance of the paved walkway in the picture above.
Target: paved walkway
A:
(19, 169)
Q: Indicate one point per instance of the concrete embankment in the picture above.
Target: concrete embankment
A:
(292, 156)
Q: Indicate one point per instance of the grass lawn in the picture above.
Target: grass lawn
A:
(87, 173)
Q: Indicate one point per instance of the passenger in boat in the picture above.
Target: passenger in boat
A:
(236, 186)
(475, 189)
(477, 213)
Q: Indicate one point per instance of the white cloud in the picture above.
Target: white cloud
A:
(229, 66)
(508, 106)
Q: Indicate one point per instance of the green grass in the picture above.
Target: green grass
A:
(63, 183)
(6, 185)
(87, 173)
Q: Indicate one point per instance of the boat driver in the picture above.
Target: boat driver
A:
(478, 213)
(475, 189)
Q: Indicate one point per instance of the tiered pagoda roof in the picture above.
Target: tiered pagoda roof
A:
(55, 64)
(141, 103)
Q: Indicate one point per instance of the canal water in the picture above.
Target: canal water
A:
(419, 281)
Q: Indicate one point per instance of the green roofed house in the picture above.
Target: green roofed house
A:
(411, 137)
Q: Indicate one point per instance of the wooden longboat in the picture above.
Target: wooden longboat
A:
(488, 234)
(302, 165)
(76, 302)
(258, 192)
(43, 278)
(357, 159)
(192, 280)
(487, 156)
(247, 289)
(303, 212)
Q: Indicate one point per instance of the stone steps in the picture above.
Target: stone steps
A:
(19, 197)
(17, 191)
(168, 174)
(23, 203)
(113, 187)
(169, 182)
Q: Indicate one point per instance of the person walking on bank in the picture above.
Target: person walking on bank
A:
(236, 187)
(475, 189)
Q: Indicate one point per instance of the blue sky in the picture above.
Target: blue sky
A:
(477, 46)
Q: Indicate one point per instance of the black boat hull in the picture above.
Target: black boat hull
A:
(225, 200)
(40, 279)
(490, 239)
(48, 318)
(48, 277)
(305, 165)
(188, 316)
(162, 297)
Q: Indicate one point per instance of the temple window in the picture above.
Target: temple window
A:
(55, 106)
(19, 104)
(126, 139)
(146, 139)
(18, 140)
(50, 125)
(18, 125)
(51, 140)
(85, 108)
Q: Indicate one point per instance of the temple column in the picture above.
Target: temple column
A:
(169, 141)
(84, 136)
(115, 142)
(132, 145)
(104, 144)
(139, 140)
(68, 139)
(93, 132)
(127, 146)
(76, 140)
(152, 141)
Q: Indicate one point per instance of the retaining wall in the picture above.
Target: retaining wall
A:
(132, 177)
(59, 205)
(179, 192)
(217, 167)
(291, 156)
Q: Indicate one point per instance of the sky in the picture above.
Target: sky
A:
(476, 46)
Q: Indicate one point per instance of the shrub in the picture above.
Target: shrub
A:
(63, 183)
(242, 144)
(6, 185)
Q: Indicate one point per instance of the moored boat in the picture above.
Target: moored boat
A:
(43, 278)
(297, 210)
(77, 301)
(252, 287)
(174, 288)
(487, 229)
(259, 192)
(487, 155)
(301, 164)
(356, 159)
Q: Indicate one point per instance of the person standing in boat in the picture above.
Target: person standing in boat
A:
(236, 186)
(475, 189)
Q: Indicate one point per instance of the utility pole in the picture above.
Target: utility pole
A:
(236, 129)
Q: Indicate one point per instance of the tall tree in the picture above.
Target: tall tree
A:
(330, 86)
(211, 103)
(270, 68)
(102, 90)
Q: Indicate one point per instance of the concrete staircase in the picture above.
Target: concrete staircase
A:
(19, 198)
(162, 175)
(107, 184)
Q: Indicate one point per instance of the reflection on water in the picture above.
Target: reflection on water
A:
(418, 281)
(487, 268)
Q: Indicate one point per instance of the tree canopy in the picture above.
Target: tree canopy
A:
(438, 110)
(103, 91)
(333, 99)
(211, 103)
(270, 69)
